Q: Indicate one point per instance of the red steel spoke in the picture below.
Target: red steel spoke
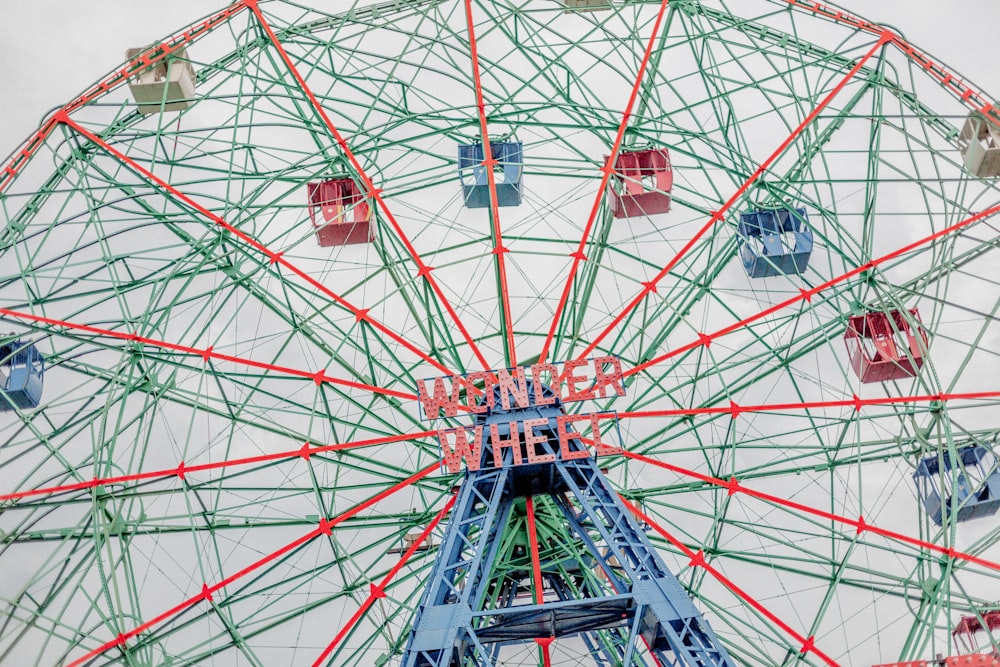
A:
(735, 410)
(360, 314)
(807, 294)
(717, 216)
(208, 353)
(806, 644)
(325, 528)
(375, 193)
(606, 171)
(378, 590)
(489, 162)
(141, 61)
(733, 485)
(855, 402)
(536, 573)
(305, 451)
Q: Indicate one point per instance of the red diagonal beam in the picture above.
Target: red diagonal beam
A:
(807, 294)
(489, 162)
(361, 315)
(375, 193)
(325, 528)
(607, 170)
(536, 576)
(855, 402)
(140, 62)
(735, 409)
(182, 470)
(806, 644)
(378, 590)
(718, 216)
(733, 486)
(208, 353)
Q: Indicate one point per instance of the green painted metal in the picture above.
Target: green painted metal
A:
(86, 239)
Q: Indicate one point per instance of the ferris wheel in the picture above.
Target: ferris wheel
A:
(545, 332)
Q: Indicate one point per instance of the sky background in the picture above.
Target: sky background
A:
(51, 51)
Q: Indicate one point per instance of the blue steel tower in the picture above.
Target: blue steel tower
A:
(595, 576)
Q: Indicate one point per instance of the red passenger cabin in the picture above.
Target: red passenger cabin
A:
(965, 630)
(641, 184)
(884, 346)
(340, 213)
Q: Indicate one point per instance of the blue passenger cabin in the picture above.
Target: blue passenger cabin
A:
(508, 173)
(976, 484)
(774, 242)
(21, 370)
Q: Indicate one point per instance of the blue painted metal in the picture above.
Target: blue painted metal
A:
(609, 589)
(22, 368)
(774, 242)
(969, 486)
(509, 173)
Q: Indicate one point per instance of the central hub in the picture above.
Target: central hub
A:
(519, 416)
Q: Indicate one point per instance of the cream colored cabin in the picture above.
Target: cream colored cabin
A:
(167, 85)
(980, 146)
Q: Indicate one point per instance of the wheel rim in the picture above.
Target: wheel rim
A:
(204, 342)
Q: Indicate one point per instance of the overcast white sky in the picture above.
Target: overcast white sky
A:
(52, 50)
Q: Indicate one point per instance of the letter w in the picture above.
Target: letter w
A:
(471, 452)
(432, 405)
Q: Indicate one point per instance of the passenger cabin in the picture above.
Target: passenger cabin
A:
(340, 213)
(979, 142)
(641, 183)
(968, 627)
(973, 482)
(884, 346)
(22, 368)
(166, 85)
(508, 173)
(774, 242)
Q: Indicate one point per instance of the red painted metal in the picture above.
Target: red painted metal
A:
(423, 270)
(960, 89)
(275, 257)
(182, 470)
(971, 624)
(538, 593)
(807, 294)
(968, 660)
(855, 402)
(808, 644)
(876, 348)
(968, 626)
(340, 213)
(607, 170)
(325, 525)
(629, 195)
(498, 248)
(971, 660)
(378, 590)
